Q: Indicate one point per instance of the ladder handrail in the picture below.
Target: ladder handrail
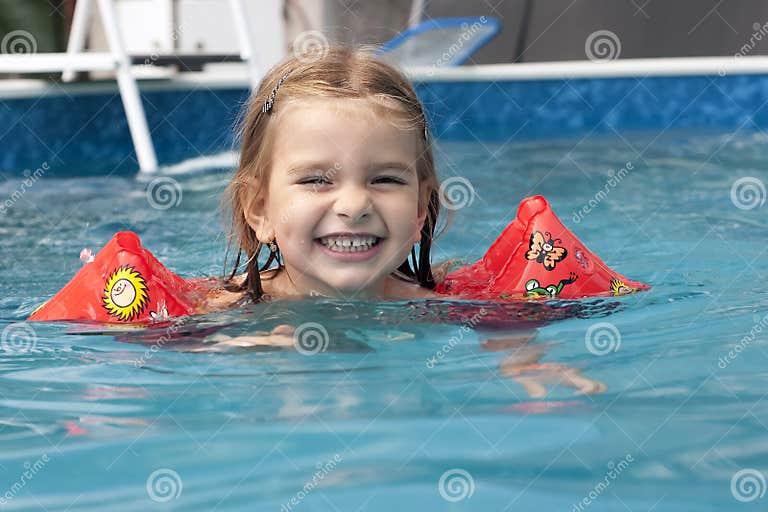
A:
(77, 34)
(54, 62)
(247, 48)
(129, 91)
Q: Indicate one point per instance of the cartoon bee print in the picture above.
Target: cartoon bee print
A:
(543, 250)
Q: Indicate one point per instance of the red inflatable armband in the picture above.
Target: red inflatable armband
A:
(537, 256)
(123, 283)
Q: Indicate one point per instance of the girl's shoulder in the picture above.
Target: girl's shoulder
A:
(219, 298)
(416, 291)
(223, 294)
(406, 289)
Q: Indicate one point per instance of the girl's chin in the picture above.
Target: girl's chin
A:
(349, 286)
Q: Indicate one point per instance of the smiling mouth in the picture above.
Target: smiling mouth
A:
(349, 243)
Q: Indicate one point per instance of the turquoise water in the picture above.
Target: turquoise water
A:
(403, 407)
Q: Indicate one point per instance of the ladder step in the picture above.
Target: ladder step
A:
(186, 62)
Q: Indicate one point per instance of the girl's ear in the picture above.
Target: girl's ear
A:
(256, 217)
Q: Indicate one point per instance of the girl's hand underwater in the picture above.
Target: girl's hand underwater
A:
(280, 336)
(523, 366)
(533, 377)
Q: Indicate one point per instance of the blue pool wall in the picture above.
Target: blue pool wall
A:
(88, 133)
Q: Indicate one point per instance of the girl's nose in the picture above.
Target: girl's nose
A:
(353, 203)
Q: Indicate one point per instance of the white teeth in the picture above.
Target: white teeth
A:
(347, 244)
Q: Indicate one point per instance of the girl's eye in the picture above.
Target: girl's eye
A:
(389, 179)
(319, 180)
(315, 180)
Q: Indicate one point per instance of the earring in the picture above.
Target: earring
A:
(272, 246)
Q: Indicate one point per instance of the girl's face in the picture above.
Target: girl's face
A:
(343, 196)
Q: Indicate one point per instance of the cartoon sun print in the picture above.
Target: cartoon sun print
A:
(619, 288)
(125, 295)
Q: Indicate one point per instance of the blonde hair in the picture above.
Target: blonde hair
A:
(339, 73)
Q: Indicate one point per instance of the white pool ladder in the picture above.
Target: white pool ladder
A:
(75, 59)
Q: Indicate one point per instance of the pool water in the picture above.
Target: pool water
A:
(402, 406)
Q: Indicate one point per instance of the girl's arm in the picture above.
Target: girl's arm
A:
(280, 336)
(523, 366)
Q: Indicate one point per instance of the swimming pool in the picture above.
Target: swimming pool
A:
(402, 407)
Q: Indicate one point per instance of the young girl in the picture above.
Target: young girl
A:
(336, 181)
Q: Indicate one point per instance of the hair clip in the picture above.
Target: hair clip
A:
(271, 99)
